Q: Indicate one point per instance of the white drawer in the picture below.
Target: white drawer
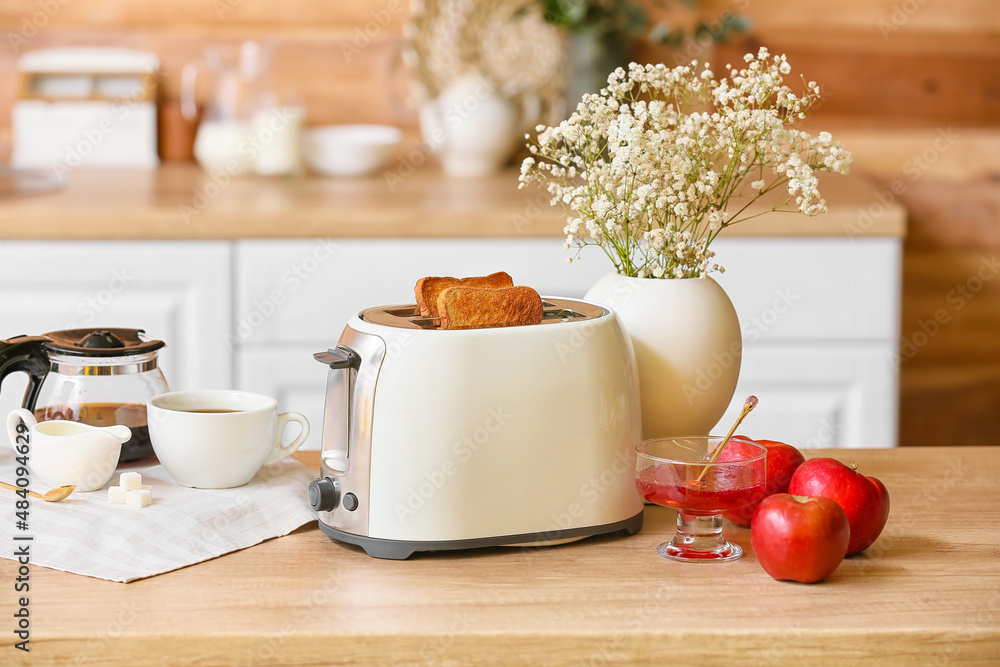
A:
(813, 289)
(806, 289)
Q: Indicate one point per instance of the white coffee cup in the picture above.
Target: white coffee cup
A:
(218, 439)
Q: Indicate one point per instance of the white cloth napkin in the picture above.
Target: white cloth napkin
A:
(87, 535)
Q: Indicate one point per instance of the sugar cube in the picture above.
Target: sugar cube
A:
(130, 481)
(116, 495)
(146, 487)
(138, 498)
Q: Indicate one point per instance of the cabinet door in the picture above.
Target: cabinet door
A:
(818, 395)
(790, 289)
(178, 292)
(290, 374)
(813, 289)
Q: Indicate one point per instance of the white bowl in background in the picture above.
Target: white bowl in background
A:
(350, 150)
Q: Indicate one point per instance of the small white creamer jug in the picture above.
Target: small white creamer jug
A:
(64, 452)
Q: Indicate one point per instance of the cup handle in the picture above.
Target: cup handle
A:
(16, 416)
(280, 452)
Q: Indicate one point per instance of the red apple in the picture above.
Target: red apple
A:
(782, 460)
(799, 539)
(737, 449)
(865, 500)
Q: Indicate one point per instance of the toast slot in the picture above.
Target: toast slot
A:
(406, 311)
(427, 322)
(408, 316)
(554, 313)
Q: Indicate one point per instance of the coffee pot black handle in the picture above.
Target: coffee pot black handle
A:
(26, 354)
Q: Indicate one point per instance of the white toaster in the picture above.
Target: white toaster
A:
(451, 439)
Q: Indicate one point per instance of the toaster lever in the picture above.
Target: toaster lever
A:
(339, 358)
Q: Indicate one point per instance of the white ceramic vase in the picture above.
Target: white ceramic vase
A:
(688, 347)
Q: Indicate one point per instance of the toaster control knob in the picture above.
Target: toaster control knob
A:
(324, 494)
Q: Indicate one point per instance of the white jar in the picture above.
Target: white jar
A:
(277, 132)
(221, 143)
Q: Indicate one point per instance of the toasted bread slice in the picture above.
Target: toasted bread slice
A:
(480, 308)
(429, 289)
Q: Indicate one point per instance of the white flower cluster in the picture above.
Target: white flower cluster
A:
(654, 166)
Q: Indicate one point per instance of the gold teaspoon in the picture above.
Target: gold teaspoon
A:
(53, 496)
(748, 405)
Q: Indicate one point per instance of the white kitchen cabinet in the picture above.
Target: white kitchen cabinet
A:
(819, 315)
(813, 289)
(179, 292)
(820, 321)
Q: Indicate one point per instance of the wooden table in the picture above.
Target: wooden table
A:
(927, 593)
(183, 202)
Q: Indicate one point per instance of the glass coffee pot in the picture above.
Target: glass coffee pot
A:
(101, 377)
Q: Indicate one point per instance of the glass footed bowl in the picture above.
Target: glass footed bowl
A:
(675, 472)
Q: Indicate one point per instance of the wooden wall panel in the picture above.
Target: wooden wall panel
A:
(810, 16)
(940, 65)
(285, 15)
(937, 64)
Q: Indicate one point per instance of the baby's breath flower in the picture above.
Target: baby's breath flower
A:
(646, 165)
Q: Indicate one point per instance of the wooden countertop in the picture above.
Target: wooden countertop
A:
(183, 202)
(928, 592)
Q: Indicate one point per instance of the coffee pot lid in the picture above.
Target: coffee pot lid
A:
(101, 342)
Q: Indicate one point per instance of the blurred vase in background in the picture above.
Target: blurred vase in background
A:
(483, 73)
(591, 55)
